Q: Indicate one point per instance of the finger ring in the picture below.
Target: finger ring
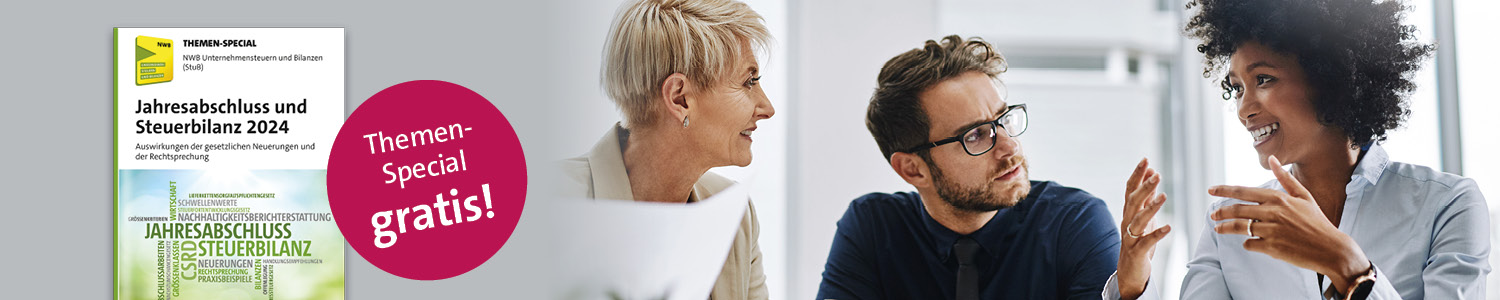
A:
(1131, 233)
(1248, 230)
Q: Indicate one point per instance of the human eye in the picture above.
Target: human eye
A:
(1263, 79)
(971, 136)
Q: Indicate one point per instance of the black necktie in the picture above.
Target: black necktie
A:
(968, 273)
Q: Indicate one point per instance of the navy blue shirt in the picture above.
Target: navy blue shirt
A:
(1058, 243)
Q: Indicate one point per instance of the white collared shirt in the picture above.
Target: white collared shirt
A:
(1427, 233)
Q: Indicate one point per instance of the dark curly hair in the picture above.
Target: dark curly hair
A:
(1356, 54)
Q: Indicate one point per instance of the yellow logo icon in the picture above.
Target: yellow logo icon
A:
(153, 60)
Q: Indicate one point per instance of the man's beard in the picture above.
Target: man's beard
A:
(983, 198)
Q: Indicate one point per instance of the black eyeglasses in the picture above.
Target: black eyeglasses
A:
(979, 139)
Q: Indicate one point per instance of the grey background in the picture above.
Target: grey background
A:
(56, 122)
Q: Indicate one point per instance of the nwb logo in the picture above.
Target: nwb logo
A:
(153, 60)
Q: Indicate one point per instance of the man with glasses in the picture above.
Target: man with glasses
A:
(977, 227)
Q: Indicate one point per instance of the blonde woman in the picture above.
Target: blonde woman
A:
(685, 78)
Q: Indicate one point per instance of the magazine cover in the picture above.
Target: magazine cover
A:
(222, 138)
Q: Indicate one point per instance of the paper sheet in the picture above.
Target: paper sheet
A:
(613, 249)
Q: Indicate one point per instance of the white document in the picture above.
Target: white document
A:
(226, 128)
(616, 249)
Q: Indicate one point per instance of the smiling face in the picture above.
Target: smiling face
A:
(1275, 105)
(994, 180)
(723, 121)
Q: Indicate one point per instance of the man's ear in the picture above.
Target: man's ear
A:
(674, 96)
(912, 169)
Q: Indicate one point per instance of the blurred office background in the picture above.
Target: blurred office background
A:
(1106, 82)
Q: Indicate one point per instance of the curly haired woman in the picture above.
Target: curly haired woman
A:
(1317, 84)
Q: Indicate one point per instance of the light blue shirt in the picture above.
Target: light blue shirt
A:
(1426, 232)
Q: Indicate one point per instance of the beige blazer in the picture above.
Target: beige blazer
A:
(600, 174)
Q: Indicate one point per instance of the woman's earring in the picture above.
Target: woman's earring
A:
(684, 122)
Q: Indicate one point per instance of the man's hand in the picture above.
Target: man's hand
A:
(1137, 238)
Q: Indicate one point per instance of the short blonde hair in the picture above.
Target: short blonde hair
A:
(652, 39)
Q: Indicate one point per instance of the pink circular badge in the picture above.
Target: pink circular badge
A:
(426, 180)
